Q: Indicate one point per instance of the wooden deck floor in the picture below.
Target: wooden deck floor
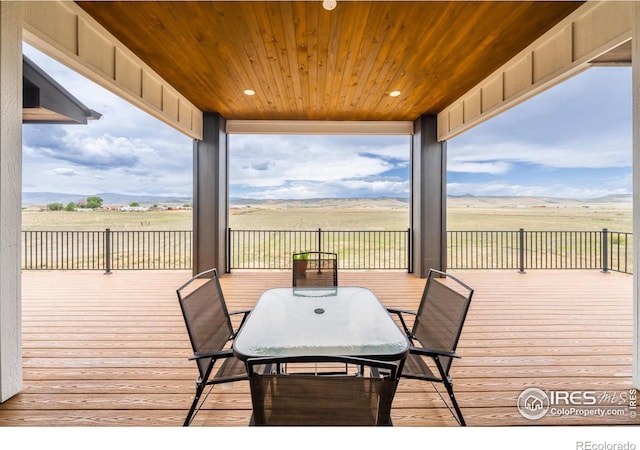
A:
(111, 350)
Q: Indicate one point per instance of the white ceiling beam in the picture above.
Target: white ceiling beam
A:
(319, 127)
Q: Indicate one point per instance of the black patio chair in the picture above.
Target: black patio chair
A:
(315, 269)
(309, 399)
(435, 332)
(211, 332)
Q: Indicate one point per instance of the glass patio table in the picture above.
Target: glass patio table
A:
(338, 321)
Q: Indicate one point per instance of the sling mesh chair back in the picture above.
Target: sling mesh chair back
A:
(210, 330)
(315, 269)
(435, 332)
(308, 399)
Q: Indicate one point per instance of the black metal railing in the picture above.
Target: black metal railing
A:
(272, 249)
(63, 250)
(524, 250)
(372, 250)
(618, 254)
(106, 250)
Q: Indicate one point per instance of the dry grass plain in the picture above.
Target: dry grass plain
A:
(463, 214)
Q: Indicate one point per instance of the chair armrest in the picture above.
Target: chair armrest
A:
(423, 351)
(245, 314)
(399, 313)
(219, 354)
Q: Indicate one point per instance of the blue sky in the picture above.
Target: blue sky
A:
(572, 141)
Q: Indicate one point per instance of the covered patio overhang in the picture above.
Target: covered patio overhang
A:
(455, 65)
(45, 101)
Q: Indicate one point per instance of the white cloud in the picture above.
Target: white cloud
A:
(125, 151)
(491, 167)
(584, 123)
(274, 160)
(501, 156)
(298, 189)
(515, 190)
(65, 171)
(381, 187)
(619, 183)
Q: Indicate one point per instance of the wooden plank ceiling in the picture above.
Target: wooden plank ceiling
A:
(306, 63)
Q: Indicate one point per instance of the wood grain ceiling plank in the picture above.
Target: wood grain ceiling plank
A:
(268, 40)
(332, 49)
(480, 44)
(281, 40)
(303, 56)
(353, 57)
(250, 61)
(394, 41)
(308, 63)
(365, 76)
(207, 55)
(313, 37)
(294, 54)
(252, 45)
(352, 26)
(442, 49)
(390, 67)
(391, 74)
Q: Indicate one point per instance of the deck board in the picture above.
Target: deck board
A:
(112, 350)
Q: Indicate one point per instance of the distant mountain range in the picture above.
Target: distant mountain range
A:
(612, 198)
(45, 198)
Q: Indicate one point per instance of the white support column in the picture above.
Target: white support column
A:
(10, 198)
(635, 57)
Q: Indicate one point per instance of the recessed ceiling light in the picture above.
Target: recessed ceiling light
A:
(249, 92)
(394, 93)
(329, 4)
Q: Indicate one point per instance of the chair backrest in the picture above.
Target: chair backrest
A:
(442, 312)
(315, 269)
(305, 399)
(205, 315)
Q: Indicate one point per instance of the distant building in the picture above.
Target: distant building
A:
(134, 209)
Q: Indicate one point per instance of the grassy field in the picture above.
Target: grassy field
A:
(387, 250)
(561, 217)
(462, 214)
(100, 220)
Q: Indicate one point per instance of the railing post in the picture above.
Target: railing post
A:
(228, 258)
(107, 251)
(409, 255)
(522, 249)
(605, 250)
(319, 249)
